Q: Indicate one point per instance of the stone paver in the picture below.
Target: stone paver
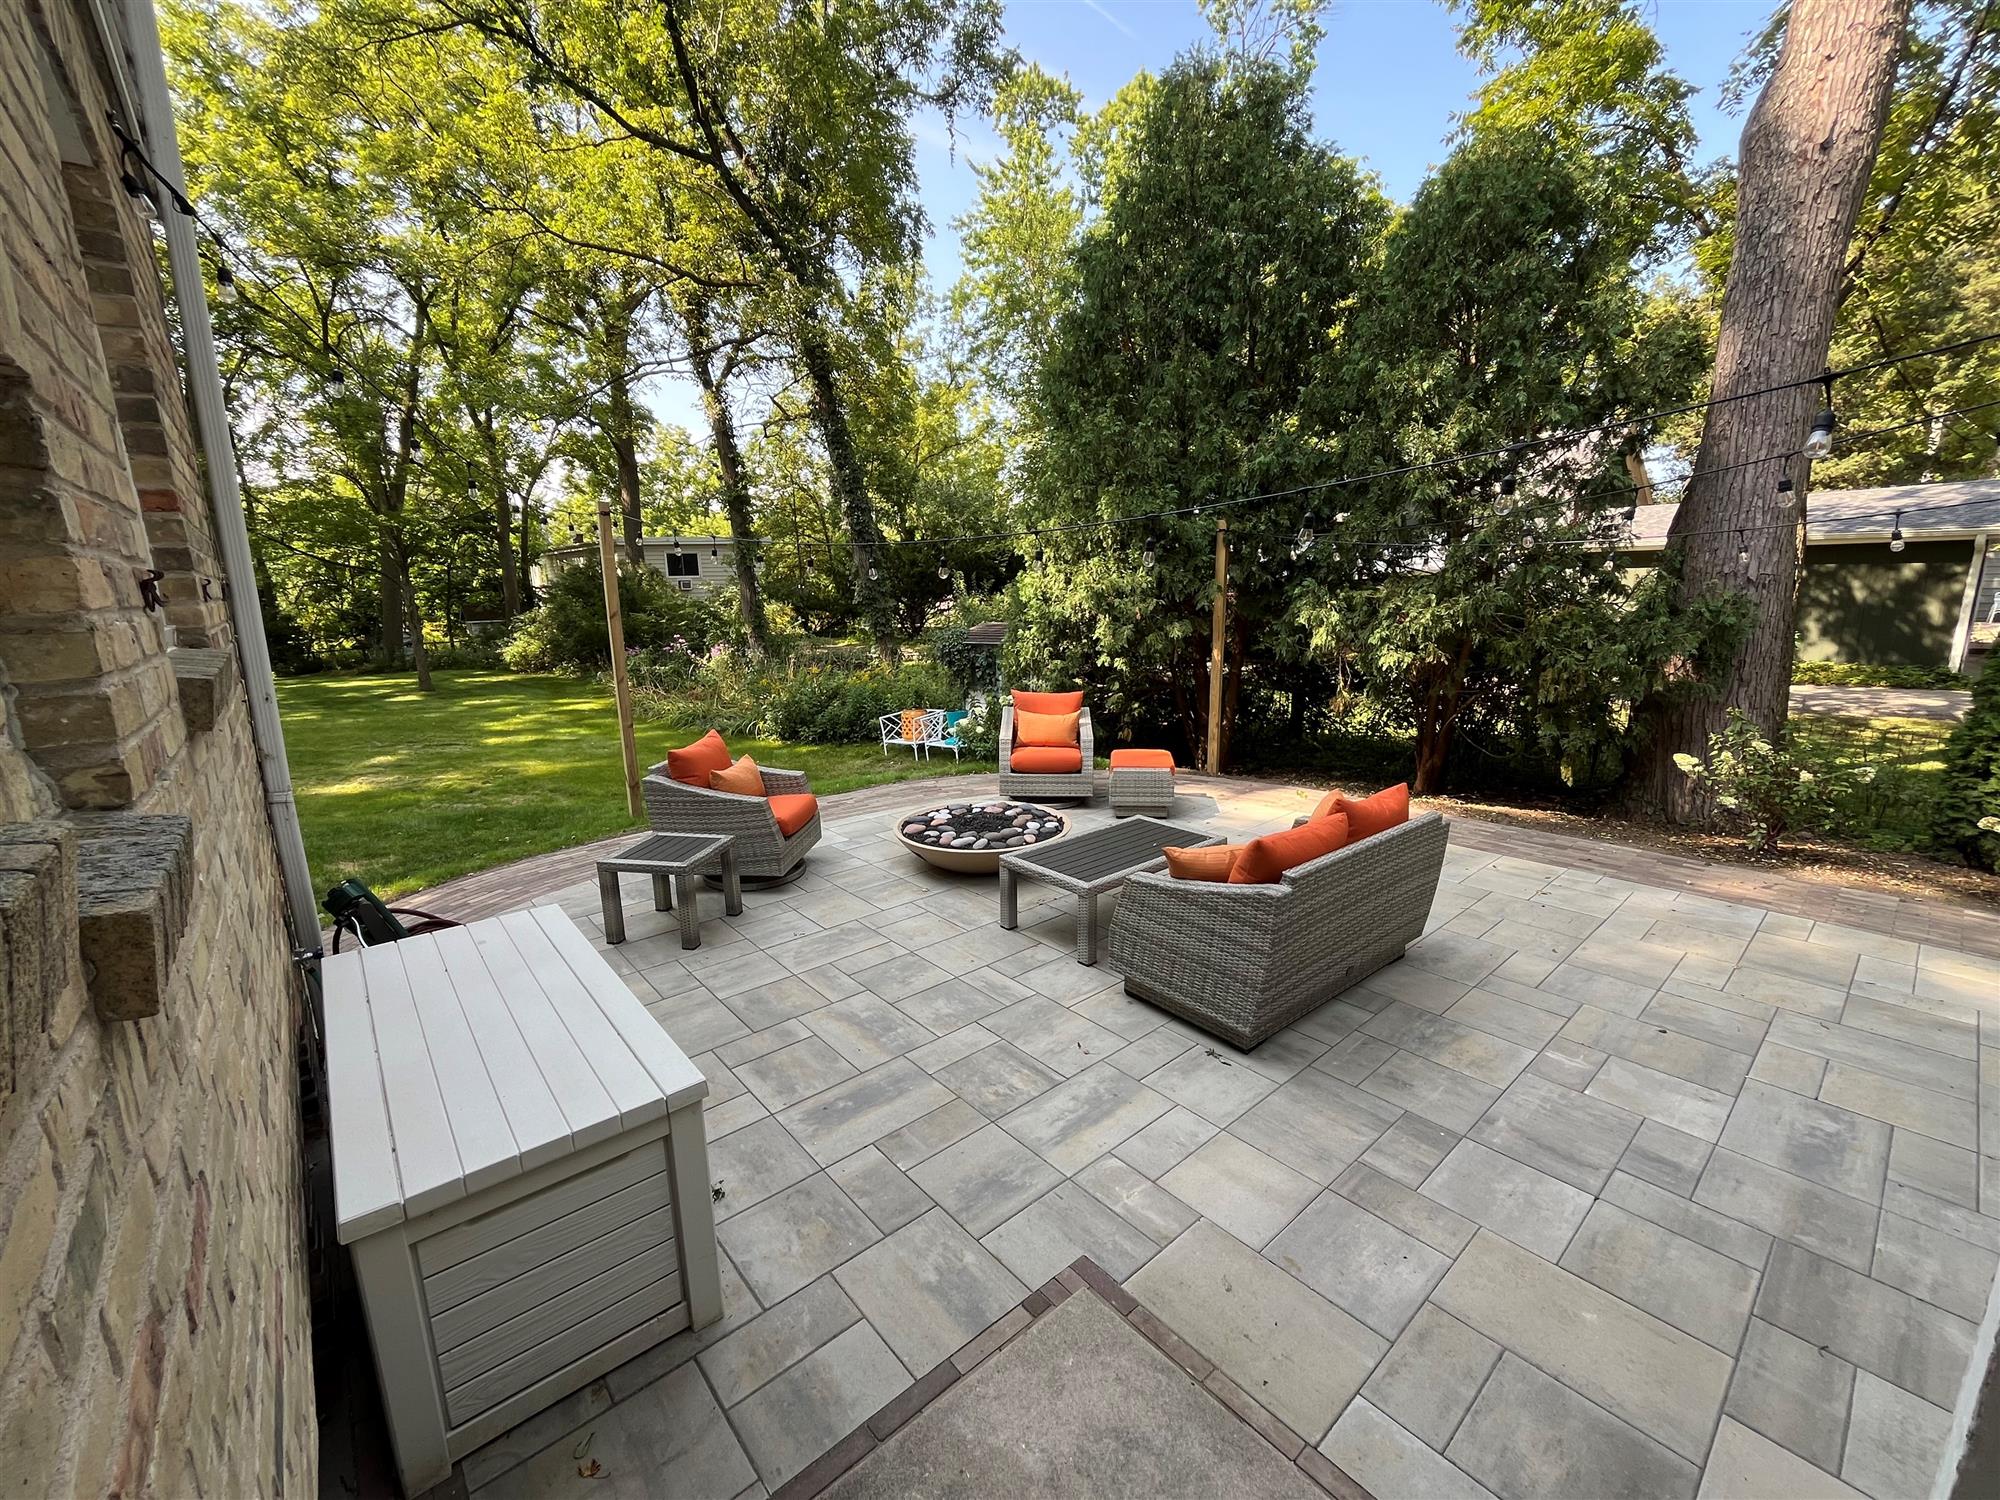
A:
(1637, 1175)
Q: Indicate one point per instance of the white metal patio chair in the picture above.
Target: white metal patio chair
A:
(894, 733)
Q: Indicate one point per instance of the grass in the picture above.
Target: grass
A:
(404, 789)
(1894, 812)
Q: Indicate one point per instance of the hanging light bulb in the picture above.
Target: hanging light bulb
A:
(1785, 488)
(1819, 442)
(714, 549)
(677, 546)
(873, 573)
(336, 382)
(944, 573)
(1896, 542)
(472, 487)
(1146, 557)
(225, 283)
(1742, 550)
(1306, 538)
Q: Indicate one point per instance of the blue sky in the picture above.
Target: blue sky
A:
(1388, 82)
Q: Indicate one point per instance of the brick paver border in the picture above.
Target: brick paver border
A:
(1086, 1276)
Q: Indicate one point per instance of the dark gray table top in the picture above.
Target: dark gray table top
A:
(1107, 854)
(667, 851)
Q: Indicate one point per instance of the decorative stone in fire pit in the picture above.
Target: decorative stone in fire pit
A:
(971, 836)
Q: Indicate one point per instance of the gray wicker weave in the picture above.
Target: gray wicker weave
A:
(1036, 786)
(1245, 961)
(1141, 789)
(762, 852)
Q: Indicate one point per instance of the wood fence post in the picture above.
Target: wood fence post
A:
(1217, 622)
(620, 686)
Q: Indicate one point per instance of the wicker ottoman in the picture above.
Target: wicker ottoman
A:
(1142, 781)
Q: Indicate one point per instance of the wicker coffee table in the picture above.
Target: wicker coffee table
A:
(1089, 864)
(673, 860)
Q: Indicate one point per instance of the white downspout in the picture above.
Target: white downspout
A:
(1968, 607)
(204, 378)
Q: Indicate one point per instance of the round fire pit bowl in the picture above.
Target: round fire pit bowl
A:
(970, 837)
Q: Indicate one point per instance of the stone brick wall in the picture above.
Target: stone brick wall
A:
(154, 1333)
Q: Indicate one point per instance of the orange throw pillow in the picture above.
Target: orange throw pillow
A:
(742, 778)
(694, 764)
(1048, 703)
(1263, 860)
(1368, 816)
(794, 810)
(1211, 862)
(1046, 760)
(1045, 729)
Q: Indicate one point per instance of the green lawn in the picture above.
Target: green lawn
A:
(404, 789)
(1894, 811)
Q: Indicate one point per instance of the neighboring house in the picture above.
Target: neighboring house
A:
(1861, 602)
(155, 1307)
(696, 564)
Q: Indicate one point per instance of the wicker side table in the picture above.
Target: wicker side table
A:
(674, 860)
(1142, 781)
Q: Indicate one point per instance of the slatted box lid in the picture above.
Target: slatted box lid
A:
(463, 1058)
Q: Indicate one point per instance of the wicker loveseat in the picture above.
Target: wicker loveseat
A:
(1034, 786)
(764, 851)
(1245, 961)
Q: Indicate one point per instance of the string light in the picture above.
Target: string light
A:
(1147, 557)
(944, 573)
(1742, 548)
(225, 283)
(1896, 542)
(336, 382)
(715, 549)
(1819, 442)
(873, 574)
(677, 546)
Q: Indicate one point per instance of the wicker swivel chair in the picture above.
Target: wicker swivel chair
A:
(1037, 786)
(1245, 961)
(765, 853)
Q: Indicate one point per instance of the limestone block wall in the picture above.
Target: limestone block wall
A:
(154, 1311)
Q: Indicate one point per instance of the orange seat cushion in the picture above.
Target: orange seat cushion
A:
(1213, 862)
(794, 810)
(1368, 816)
(697, 762)
(1150, 760)
(743, 778)
(1045, 729)
(1264, 859)
(1046, 760)
(1047, 703)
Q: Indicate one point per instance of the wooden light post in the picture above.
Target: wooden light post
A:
(1216, 622)
(620, 687)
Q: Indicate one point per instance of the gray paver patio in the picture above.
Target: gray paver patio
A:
(1610, 1186)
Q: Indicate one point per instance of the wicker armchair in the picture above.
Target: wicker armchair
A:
(1036, 786)
(1245, 961)
(763, 851)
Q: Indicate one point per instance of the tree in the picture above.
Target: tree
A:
(1807, 150)
(787, 130)
(1214, 293)
(1485, 594)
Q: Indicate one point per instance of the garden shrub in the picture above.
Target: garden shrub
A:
(1762, 784)
(972, 668)
(1968, 802)
(1867, 674)
(567, 633)
(828, 706)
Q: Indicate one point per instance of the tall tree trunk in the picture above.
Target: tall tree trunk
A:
(389, 612)
(420, 656)
(735, 488)
(850, 487)
(503, 516)
(1807, 151)
(619, 432)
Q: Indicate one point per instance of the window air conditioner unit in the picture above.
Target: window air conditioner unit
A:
(686, 584)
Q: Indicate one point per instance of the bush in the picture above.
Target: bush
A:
(1864, 674)
(972, 668)
(828, 706)
(1969, 799)
(567, 632)
(1763, 786)
(473, 654)
(979, 732)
